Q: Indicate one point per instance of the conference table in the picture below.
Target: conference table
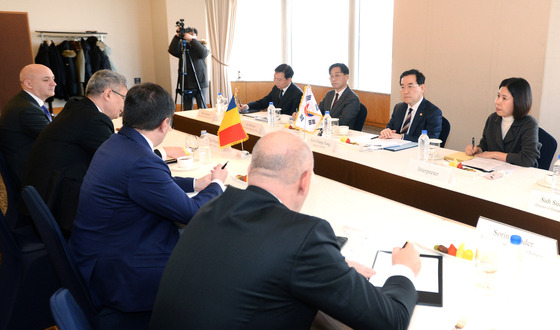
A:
(384, 173)
(373, 222)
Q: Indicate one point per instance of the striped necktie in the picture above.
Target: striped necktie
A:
(335, 100)
(47, 112)
(406, 123)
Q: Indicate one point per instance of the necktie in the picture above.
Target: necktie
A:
(335, 100)
(47, 112)
(281, 93)
(406, 122)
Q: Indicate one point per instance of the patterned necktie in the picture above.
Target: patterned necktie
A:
(47, 112)
(335, 100)
(406, 122)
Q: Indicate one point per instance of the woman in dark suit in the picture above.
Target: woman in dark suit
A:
(510, 134)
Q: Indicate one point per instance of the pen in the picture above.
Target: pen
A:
(473, 142)
(405, 243)
(225, 165)
(375, 137)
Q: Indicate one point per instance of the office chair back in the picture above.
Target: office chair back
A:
(67, 313)
(27, 279)
(58, 250)
(445, 129)
(360, 119)
(548, 149)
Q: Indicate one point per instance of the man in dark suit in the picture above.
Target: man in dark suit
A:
(197, 53)
(125, 227)
(415, 114)
(285, 94)
(60, 158)
(250, 260)
(24, 117)
(342, 102)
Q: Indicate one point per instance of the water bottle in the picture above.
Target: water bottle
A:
(220, 104)
(515, 255)
(423, 146)
(204, 152)
(327, 125)
(271, 114)
(555, 184)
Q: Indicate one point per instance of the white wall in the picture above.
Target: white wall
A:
(465, 49)
(127, 22)
(550, 106)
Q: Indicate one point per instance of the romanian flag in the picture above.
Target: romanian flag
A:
(231, 130)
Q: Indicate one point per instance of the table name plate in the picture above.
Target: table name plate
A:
(252, 127)
(323, 144)
(431, 172)
(545, 204)
(207, 115)
(531, 243)
(214, 143)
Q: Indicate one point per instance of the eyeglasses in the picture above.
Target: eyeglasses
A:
(119, 94)
(409, 86)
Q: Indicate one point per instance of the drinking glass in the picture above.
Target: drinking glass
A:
(335, 123)
(487, 264)
(191, 145)
(434, 149)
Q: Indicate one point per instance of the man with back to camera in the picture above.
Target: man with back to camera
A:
(285, 94)
(342, 102)
(61, 155)
(250, 260)
(415, 113)
(198, 53)
(24, 117)
(125, 228)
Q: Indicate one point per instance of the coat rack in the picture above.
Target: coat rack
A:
(70, 35)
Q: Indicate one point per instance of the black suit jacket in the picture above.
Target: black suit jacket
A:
(289, 101)
(428, 117)
(21, 122)
(60, 158)
(245, 261)
(346, 108)
(198, 53)
(521, 142)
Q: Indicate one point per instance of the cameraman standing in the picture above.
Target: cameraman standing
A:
(197, 52)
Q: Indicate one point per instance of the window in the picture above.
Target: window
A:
(310, 35)
(257, 46)
(319, 38)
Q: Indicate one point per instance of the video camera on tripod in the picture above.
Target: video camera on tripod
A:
(185, 63)
(181, 25)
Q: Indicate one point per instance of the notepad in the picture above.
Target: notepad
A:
(429, 282)
(460, 156)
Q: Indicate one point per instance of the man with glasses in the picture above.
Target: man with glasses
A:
(284, 94)
(342, 102)
(61, 155)
(415, 114)
(125, 226)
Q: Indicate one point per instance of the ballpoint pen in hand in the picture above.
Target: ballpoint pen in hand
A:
(225, 165)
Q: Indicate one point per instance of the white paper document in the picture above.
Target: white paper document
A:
(427, 280)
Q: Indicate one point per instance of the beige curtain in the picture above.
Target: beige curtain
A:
(221, 25)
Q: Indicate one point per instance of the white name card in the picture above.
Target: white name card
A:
(545, 204)
(253, 127)
(214, 143)
(435, 173)
(208, 115)
(323, 144)
(531, 243)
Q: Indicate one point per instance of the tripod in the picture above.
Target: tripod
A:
(182, 75)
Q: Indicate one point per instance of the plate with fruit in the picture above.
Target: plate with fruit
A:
(346, 139)
(460, 252)
(239, 178)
